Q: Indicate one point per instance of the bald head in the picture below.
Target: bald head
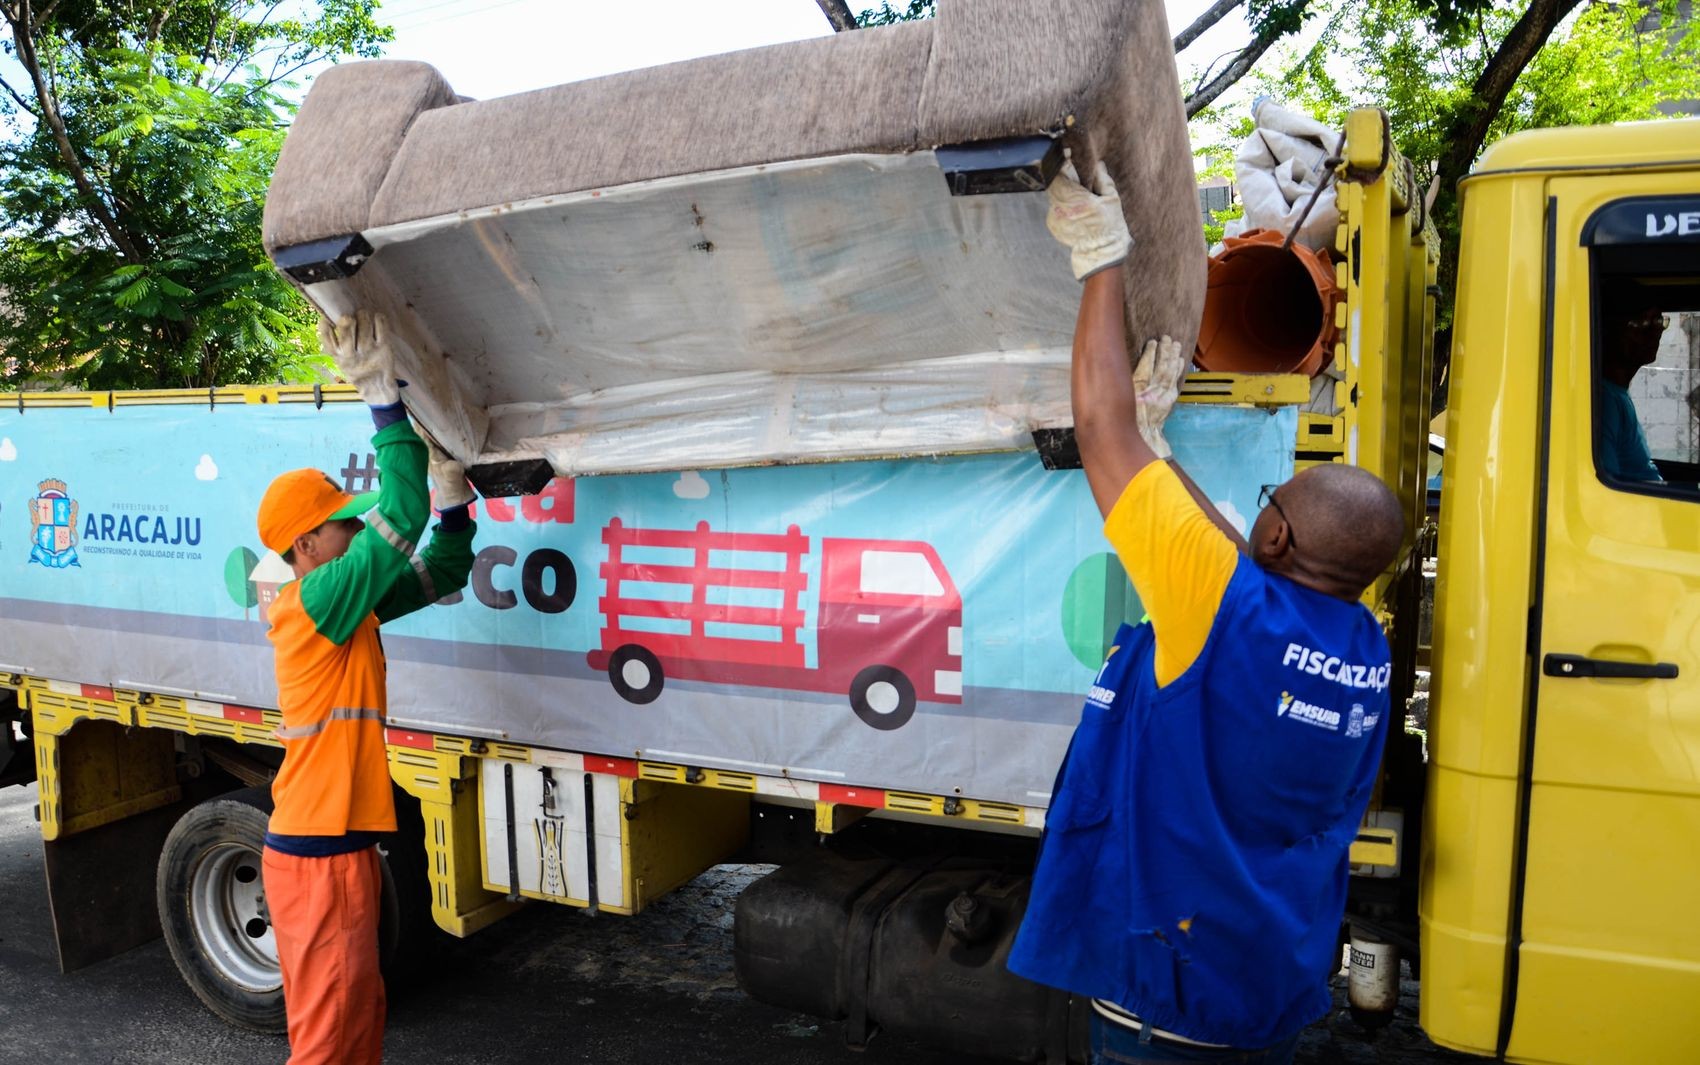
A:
(1333, 528)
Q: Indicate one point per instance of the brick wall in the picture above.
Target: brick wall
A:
(1661, 391)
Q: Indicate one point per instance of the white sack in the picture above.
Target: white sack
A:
(1278, 168)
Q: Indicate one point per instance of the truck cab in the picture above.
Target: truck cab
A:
(891, 622)
(1561, 841)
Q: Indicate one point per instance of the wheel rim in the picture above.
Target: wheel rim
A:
(883, 697)
(635, 674)
(228, 907)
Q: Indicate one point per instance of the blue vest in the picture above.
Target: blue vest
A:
(1193, 868)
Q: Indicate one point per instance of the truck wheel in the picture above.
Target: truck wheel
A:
(212, 909)
(883, 697)
(635, 673)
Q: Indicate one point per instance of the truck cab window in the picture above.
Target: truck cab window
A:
(1647, 374)
(899, 573)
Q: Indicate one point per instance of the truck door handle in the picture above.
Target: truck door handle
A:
(1583, 666)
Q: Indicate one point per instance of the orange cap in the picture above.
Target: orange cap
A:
(302, 500)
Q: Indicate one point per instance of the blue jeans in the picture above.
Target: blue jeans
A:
(1112, 1043)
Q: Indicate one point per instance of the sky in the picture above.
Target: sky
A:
(488, 48)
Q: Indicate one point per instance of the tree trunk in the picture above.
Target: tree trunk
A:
(1465, 133)
(838, 13)
(1469, 127)
(24, 23)
(1221, 83)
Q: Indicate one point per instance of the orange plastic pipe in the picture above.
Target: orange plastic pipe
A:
(1268, 309)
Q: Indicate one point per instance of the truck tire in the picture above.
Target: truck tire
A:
(211, 899)
(883, 697)
(635, 673)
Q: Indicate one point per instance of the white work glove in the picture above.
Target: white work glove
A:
(1156, 386)
(360, 345)
(1090, 224)
(448, 477)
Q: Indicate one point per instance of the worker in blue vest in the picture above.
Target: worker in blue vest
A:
(1192, 878)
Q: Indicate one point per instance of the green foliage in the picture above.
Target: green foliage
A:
(1276, 18)
(1601, 65)
(1607, 69)
(885, 14)
(1217, 227)
(146, 270)
(239, 577)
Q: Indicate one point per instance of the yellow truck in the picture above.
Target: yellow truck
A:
(1560, 839)
(865, 670)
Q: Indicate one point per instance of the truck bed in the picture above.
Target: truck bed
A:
(165, 589)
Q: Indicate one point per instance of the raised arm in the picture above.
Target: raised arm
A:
(443, 566)
(1177, 550)
(1115, 413)
(341, 593)
(1106, 417)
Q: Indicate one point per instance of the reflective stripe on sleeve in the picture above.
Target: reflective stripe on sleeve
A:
(425, 580)
(391, 537)
(338, 713)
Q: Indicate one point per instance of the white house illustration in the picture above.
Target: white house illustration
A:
(270, 574)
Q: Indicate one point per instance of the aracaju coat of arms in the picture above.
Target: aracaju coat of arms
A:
(53, 526)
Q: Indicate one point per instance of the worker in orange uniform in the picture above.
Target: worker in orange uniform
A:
(332, 799)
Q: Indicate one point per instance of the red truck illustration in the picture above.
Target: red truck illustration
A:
(726, 607)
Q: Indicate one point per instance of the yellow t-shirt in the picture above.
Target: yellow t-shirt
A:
(1179, 561)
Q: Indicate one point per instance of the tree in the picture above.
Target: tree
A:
(1271, 20)
(838, 13)
(1454, 80)
(885, 14)
(135, 151)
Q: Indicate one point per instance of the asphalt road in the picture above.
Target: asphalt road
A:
(547, 984)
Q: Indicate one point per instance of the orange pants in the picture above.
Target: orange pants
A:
(324, 914)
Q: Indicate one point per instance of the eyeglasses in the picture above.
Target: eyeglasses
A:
(1266, 498)
(1650, 323)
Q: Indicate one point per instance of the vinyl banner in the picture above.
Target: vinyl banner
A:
(928, 624)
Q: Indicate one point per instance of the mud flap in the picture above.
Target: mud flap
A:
(100, 884)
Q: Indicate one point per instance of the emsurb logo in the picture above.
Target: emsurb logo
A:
(1098, 695)
(53, 526)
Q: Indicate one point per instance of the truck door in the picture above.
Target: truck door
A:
(1607, 959)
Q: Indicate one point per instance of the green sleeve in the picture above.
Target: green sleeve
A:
(439, 570)
(341, 593)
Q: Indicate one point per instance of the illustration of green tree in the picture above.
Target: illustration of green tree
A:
(1096, 601)
(238, 579)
